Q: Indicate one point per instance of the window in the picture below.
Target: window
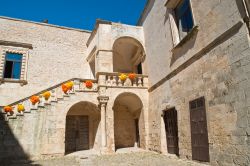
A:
(184, 18)
(13, 63)
(181, 21)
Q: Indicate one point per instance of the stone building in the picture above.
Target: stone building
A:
(190, 95)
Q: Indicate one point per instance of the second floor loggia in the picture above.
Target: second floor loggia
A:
(117, 50)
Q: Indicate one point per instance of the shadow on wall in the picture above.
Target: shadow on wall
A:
(11, 152)
(166, 16)
(186, 44)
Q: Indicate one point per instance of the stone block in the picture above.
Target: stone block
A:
(241, 160)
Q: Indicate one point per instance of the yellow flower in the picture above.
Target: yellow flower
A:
(20, 108)
(70, 84)
(46, 95)
(123, 77)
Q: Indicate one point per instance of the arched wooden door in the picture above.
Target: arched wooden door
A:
(77, 133)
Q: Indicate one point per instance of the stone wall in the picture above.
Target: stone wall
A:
(58, 54)
(213, 63)
(42, 132)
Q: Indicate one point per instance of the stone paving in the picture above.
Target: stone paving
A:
(141, 159)
(118, 159)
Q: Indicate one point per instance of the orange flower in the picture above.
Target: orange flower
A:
(89, 84)
(7, 109)
(20, 108)
(131, 76)
(34, 99)
(46, 95)
(65, 88)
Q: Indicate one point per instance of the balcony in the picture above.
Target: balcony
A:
(112, 80)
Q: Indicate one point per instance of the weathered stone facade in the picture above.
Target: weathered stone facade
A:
(73, 55)
(212, 62)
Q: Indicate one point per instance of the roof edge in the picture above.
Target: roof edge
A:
(45, 24)
(139, 22)
(98, 21)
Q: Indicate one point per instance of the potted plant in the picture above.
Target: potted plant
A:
(65, 88)
(46, 95)
(8, 109)
(89, 84)
(34, 99)
(123, 77)
(20, 108)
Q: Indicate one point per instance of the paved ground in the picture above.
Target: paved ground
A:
(119, 159)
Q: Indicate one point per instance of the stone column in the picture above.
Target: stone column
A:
(104, 60)
(103, 103)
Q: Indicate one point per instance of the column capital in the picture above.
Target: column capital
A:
(103, 99)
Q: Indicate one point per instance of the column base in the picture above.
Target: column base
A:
(106, 150)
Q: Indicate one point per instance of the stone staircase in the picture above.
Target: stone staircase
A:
(108, 80)
(57, 96)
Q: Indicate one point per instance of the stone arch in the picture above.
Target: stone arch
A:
(82, 121)
(128, 54)
(129, 125)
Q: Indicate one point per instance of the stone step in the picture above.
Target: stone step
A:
(27, 111)
(12, 117)
(47, 104)
(41, 106)
(53, 101)
(60, 99)
(20, 114)
(65, 95)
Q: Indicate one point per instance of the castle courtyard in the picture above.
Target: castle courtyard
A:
(170, 89)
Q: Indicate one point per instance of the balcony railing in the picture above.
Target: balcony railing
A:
(113, 80)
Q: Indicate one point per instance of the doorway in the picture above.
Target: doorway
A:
(77, 133)
(171, 127)
(199, 134)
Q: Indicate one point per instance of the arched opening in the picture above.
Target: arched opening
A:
(129, 130)
(82, 122)
(128, 55)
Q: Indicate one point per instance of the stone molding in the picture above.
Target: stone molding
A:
(15, 44)
(212, 44)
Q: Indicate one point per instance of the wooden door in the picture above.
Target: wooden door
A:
(77, 133)
(171, 126)
(199, 135)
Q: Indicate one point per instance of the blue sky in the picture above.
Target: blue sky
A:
(74, 13)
